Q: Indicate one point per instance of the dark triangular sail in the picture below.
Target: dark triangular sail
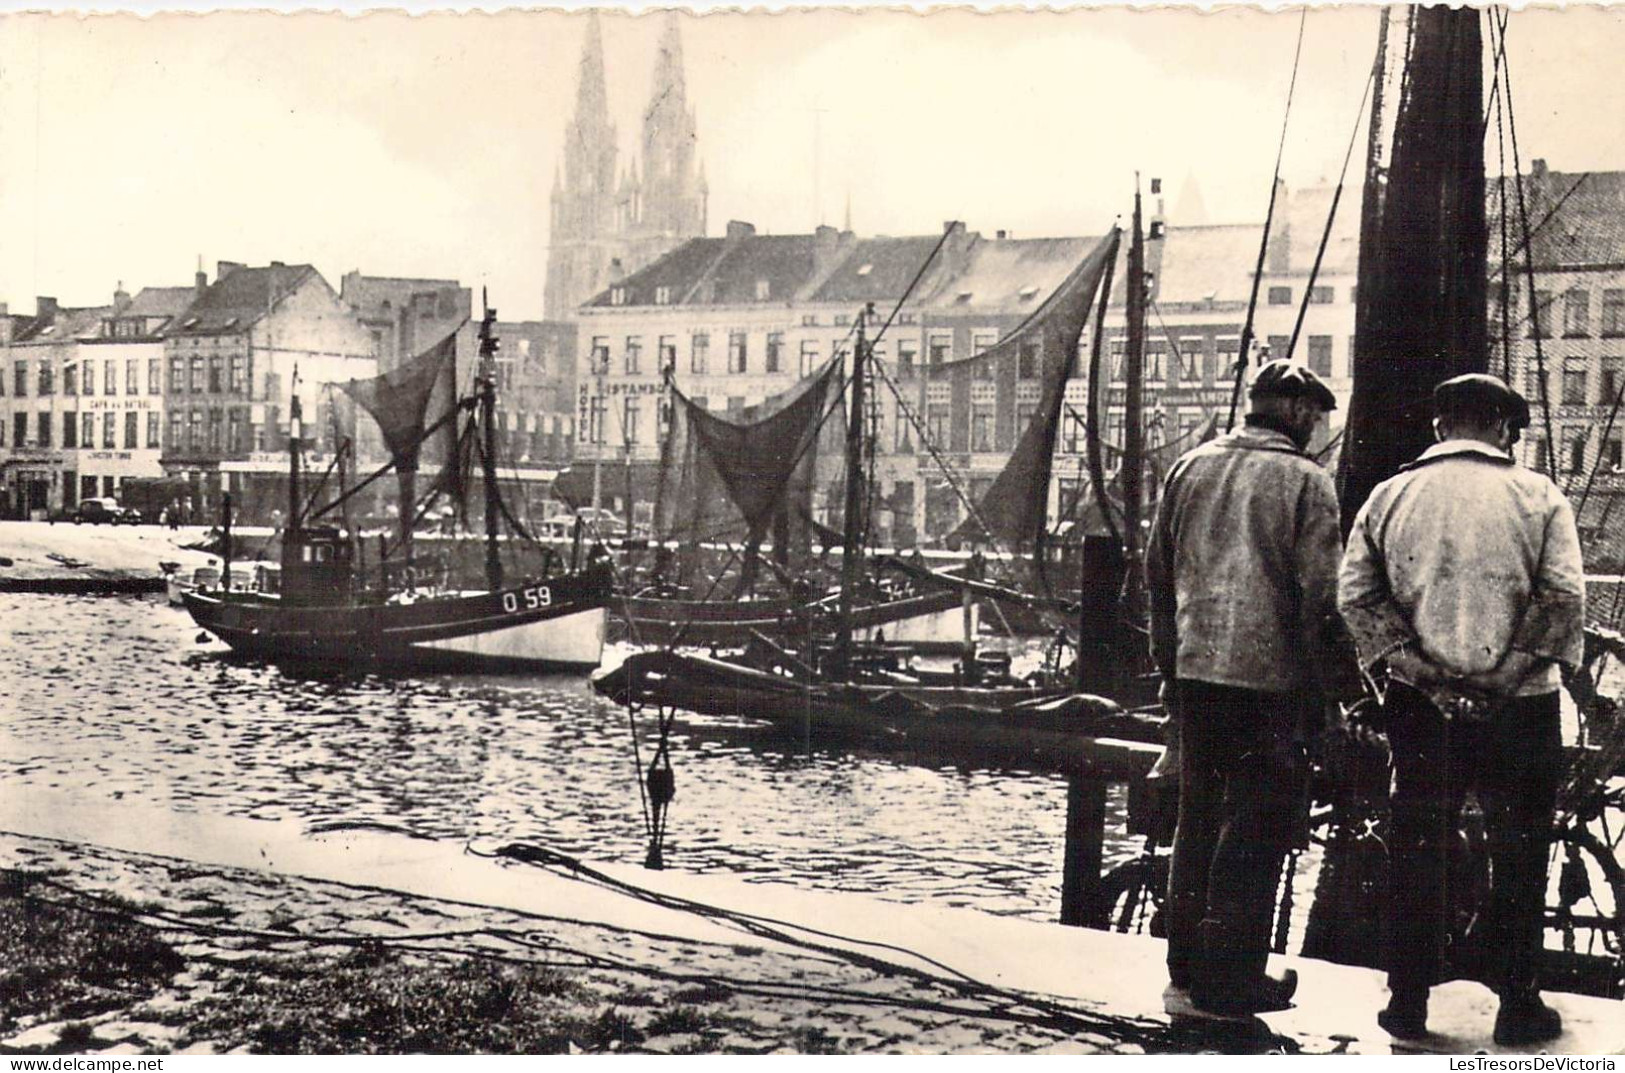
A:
(1013, 510)
(399, 402)
(746, 474)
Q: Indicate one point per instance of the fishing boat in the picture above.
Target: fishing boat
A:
(838, 684)
(330, 609)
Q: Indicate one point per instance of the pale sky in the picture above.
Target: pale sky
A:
(426, 145)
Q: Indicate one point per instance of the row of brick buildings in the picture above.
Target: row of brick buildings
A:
(193, 383)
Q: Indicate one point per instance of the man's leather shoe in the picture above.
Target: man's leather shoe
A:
(1231, 998)
(1406, 1016)
(1526, 1019)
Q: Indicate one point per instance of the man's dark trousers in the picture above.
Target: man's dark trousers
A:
(1513, 760)
(1240, 790)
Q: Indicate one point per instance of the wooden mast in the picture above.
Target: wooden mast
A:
(852, 522)
(488, 430)
(1133, 404)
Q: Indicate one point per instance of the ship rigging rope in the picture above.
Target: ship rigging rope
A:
(1264, 241)
(1001, 1004)
(1331, 214)
(1503, 298)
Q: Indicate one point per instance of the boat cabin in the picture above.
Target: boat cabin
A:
(317, 566)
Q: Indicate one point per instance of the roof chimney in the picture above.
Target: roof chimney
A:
(1001, 234)
(617, 271)
(121, 299)
(1537, 168)
(45, 307)
(200, 283)
(739, 229)
(6, 324)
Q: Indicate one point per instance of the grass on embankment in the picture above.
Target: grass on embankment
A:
(60, 962)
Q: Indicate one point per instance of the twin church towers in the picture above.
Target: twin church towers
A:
(608, 220)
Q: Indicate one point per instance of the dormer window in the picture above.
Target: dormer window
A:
(963, 297)
(1029, 292)
(662, 296)
(191, 322)
(617, 296)
(865, 270)
(764, 290)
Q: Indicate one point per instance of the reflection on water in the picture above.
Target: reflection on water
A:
(115, 698)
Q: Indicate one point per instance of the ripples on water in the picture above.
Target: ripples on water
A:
(107, 697)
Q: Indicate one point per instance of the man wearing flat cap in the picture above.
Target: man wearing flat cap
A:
(1463, 578)
(1241, 569)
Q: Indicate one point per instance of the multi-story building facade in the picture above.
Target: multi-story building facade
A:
(605, 220)
(41, 427)
(743, 317)
(231, 359)
(1569, 325)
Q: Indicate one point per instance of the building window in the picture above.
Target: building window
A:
(1119, 354)
(70, 430)
(1027, 361)
(939, 419)
(44, 430)
(1280, 296)
(1613, 313)
(214, 430)
(1608, 381)
(985, 370)
(1576, 313)
(70, 379)
(809, 356)
(110, 377)
(177, 375)
(1025, 412)
(634, 354)
(152, 429)
(1190, 356)
(940, 349)
(980, 341)
(1226, 348)
(1280, 347)
(47, 377)
(1320, 296)
(617, 296)
(662, 296)
(175, 434)
(87, 429)
(736, 402)
(599, 355)
(1574, 387)
(595, 420)
(109, 429)
(1073, 440)
(764, 290)
(908, 354)
(630, 416)
(1320, 354)
(903, 442)
(132, 430)
(19, 428)
(1541, 326)
(235, 375)
(1155, 355)
(668, 353)
(214, 374)
(809, 320)
(195, 384)
(775, 351)
(738, 356)
(19, 382)
(1577, 452)
(132, 376)
(194, 430)
(155, 384)
(1612, 460)
(699, 352)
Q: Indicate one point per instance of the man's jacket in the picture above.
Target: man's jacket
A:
(1242, 564)
(1469, 556)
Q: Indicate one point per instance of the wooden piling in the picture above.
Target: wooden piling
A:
(1085, 842)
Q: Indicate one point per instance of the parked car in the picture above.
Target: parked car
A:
(97, 511)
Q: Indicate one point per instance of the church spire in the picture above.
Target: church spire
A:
(673, 201)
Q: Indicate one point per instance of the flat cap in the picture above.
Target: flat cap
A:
(1479, 395)
(1290, 380)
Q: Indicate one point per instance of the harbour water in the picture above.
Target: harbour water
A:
(116, 699)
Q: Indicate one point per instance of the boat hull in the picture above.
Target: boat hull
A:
(553, 625)
(1003, 725)
(930, 622)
